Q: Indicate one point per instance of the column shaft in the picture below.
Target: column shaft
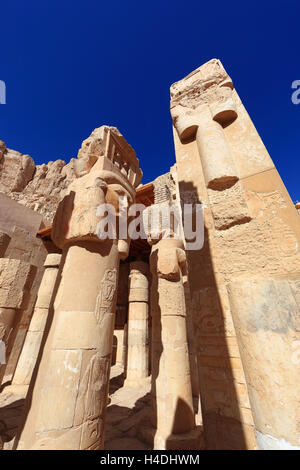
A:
(75, 365)
(31, 347)
(172, 400)
(138, 331)
(266, 320)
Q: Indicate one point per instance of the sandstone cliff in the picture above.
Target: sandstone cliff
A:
(39, 187)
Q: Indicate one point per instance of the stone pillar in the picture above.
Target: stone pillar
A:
(4, 242)
(252, 233)
(172, 400)
(217, 162)
(266, 316)
(32, 344)
(16, 277)
(192, 353)
(138, 332)
(121, 313)
(69, 396)
(125, 348)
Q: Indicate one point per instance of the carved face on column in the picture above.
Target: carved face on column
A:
(106, 169)
(209, 88)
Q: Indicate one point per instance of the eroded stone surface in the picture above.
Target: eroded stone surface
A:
(38, 187)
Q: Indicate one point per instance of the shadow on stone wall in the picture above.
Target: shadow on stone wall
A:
(222, 422)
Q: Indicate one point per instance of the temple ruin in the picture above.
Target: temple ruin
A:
(147, 343)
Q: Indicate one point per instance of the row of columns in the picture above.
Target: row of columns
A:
(68, 350)
(138, 324)
(33, 340)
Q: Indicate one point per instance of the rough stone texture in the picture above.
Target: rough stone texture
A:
(4, 242)
(75, 364)
(11, 406)
(38, 187)
(16, 279)
(32, 344)
(22, 224)
(267, 320)
(225, 318)
(128, 414)
(172, 400)
(251, 228)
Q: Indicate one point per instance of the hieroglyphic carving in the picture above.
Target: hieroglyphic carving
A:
(265, 203)
(93, 420)
(172, 297)
(229, 207)
(105, 299)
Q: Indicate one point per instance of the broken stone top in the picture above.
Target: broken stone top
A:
(107, 141)
(202, 85)
(209, 87)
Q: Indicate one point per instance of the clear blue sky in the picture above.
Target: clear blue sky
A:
(71, 66)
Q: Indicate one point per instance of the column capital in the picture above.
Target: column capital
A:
(52, 260)
(208, 87)
(168, 259)
(107, 170)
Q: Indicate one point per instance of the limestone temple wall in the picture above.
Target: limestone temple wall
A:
(24, 250)
(203, 340)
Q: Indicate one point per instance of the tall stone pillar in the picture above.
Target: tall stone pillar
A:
(266, 315)
(4, 242)
(121, 315)
(138, 324)
(70, 394)
(241, 280)
(192, 353)
(172, 400)
(16, 277)
(33, 340)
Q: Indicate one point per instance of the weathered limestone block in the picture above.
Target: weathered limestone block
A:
(31, 347)
(4, 242)
(138, 324)
(73, 374)
(16, 278)
(251, 230)
(227, 424)
(266, 317)
(22, 224)
(229, 207)
(172, 401)
(201, 104)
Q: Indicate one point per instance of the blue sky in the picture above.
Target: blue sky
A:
(71, 66)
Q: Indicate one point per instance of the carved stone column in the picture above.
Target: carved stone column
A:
(16, 277)
(138, 331)
(4, 242)
(121, 315)
(266, 315)
(245, 334)
(172, 401)
(32, 344)
(68, 405)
